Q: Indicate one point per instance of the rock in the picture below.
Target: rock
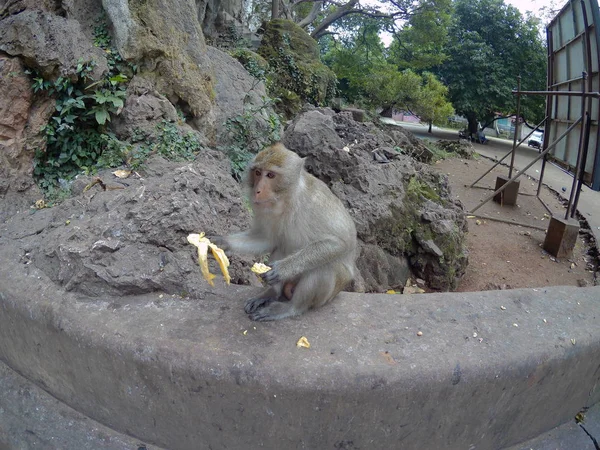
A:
(167, 44)
(219, 17)
(238, 93)
(133, 240)
(307, 80)
(50, 44)
(582, 282)
(20, 121)
(406, 142)
(144, 108)
(402, 208)
(360, 115)
(431, 247)
(13, 7)
(380, 270)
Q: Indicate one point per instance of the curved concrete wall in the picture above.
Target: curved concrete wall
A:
(196, 374)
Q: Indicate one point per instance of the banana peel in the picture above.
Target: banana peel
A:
(203, 245)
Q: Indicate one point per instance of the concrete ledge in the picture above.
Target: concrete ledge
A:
(196, 374)
(32, 419)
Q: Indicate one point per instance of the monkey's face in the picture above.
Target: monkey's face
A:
(265, 187)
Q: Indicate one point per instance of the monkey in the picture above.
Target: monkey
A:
(305, 228)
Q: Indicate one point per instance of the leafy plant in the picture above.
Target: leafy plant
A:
(168, 142)
(76, 135)
(246, 137)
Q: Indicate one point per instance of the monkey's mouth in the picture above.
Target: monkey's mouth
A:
(262, 203)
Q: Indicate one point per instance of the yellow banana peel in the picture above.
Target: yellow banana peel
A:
(203, 245)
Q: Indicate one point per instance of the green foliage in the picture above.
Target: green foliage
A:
(354, 59)
(431, 103)
(419, 45)
(168, 141)
(254, 64)
(418, 190)
(295, 70)
(247, 136)
(388, 88)
(489, 45)
(75, 134)
(173, 145)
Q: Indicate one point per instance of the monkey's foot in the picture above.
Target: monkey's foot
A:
(274, 311)
(255, 303)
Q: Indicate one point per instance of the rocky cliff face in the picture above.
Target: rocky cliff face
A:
(120, 237)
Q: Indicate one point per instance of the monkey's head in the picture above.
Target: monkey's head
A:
(272, 174)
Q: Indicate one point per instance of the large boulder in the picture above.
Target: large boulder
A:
(240, 96)
(128, 236)
(21, 117)
(164, 39)
(299, 75)
(404, 211)
(50, 44)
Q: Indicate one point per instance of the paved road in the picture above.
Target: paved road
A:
(554, 176)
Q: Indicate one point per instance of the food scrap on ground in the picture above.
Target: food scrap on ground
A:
(303, 342)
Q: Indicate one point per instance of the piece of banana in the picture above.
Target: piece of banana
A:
(203, 245)
(260, 268)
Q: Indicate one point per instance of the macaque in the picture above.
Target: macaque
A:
(304, 227)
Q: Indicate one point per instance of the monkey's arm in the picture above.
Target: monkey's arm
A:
(312, 256)
(249, 242)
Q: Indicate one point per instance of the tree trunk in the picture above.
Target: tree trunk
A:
(472, 128)
(275, 9)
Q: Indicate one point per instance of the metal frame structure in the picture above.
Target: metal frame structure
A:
(570, 102)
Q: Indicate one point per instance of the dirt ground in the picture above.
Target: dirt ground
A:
(504, 256)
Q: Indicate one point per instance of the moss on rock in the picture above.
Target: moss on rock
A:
(297, 74)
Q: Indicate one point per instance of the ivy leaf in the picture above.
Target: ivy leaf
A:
(101, 116)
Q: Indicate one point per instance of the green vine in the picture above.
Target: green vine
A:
(247, 138)
(76, 134)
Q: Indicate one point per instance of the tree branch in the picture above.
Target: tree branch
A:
(312, 15)
(338, 14)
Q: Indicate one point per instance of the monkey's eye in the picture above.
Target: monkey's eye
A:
(270, 175)
(257, 172)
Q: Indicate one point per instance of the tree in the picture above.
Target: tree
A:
(432, 105)
(354, 56)
(318, 17)
(390, 89)
(420, 44)
(489, 45)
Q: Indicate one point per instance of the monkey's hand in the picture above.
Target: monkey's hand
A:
(272, 276)
(221, 242)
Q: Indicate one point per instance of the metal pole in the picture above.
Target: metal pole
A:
(586, 145)
(579, 149)
(558, 93)
(504, 157)
(504, 186)
(518, 118)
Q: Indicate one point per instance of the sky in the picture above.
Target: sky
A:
(535, 6)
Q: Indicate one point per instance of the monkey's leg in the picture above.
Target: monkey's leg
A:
(316, 287)
(266, 297)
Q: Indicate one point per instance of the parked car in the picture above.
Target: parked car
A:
(536, 140)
